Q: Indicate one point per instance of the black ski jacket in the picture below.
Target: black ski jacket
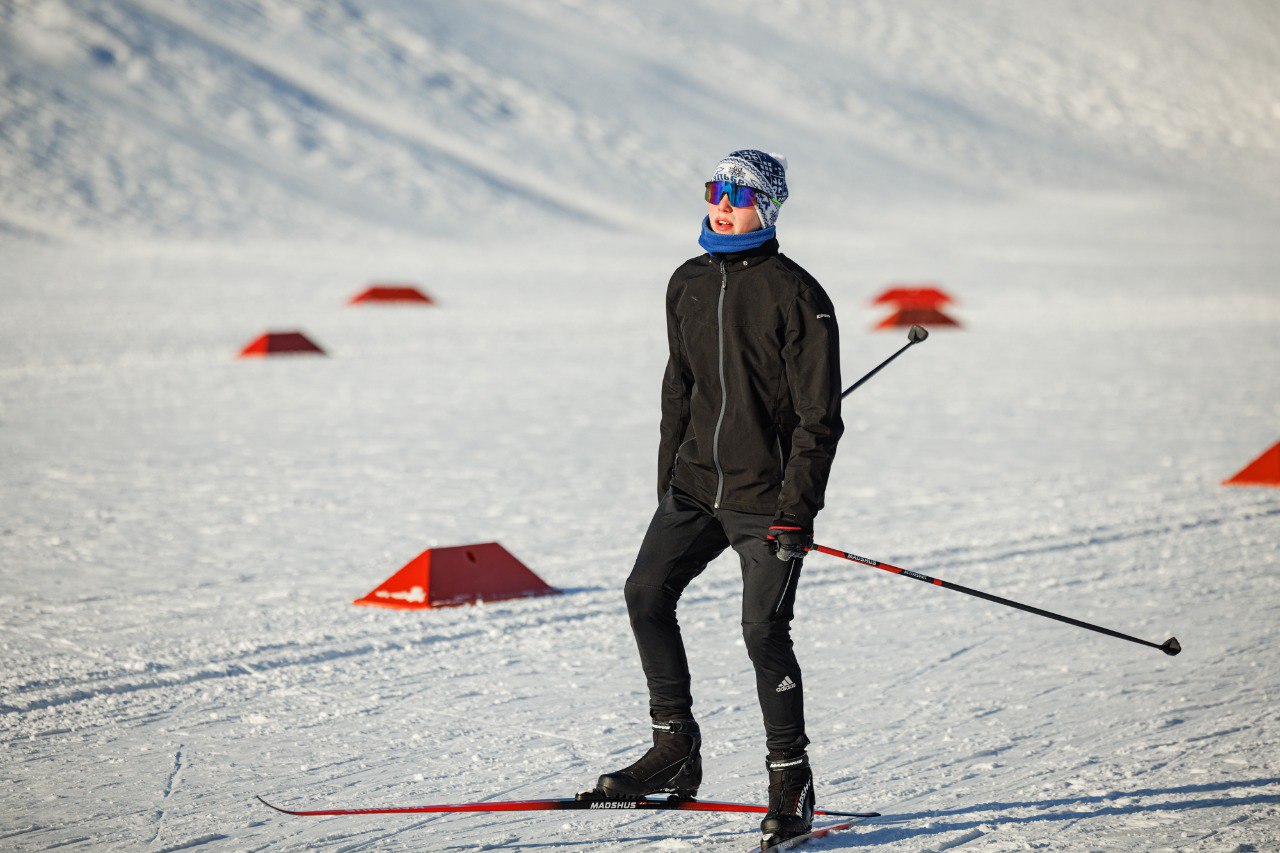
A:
(751, 394)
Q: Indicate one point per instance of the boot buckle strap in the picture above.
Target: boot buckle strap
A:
(783, 764)
(674, 726)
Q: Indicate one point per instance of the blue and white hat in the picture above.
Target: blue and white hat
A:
(766, 172)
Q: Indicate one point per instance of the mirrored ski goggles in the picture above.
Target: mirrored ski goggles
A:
(739, 195)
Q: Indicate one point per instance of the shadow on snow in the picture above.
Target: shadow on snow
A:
(1057, 810)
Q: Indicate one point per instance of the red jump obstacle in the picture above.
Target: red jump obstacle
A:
(927, 317)
(281, 343)
(915, 305)
(447, 577)
(1263, 471)
(392, 293)
(918, 295)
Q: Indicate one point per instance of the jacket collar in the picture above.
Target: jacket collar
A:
(747, 258)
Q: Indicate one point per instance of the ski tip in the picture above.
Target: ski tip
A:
(270, 806)
(1171, 646)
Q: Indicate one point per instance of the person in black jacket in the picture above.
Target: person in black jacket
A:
(750, 423)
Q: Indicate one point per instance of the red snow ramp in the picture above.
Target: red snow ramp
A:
(393, 293)
(1263, 471)
(930, 318)
(446, 577)
(915, 295)
(281, 343)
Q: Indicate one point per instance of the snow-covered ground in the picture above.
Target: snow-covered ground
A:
(183, 532)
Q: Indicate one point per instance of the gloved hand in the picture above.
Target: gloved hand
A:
(790, 537)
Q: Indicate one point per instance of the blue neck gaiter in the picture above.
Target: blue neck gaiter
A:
(727, 244)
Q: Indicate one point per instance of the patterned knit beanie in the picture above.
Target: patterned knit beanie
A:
(760, 171)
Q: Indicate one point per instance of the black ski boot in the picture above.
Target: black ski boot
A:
(790, 799)
(672, 765)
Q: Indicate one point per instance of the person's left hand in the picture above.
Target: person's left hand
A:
(790, 538)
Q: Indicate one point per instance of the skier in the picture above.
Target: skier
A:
(750, 422)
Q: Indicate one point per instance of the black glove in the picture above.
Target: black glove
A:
(790, 537)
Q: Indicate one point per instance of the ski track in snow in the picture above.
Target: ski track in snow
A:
(169, 785)
(184, 532)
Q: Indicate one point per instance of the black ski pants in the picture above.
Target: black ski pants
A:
(684, 536)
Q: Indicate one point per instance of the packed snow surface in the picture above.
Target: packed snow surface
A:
(183, 532)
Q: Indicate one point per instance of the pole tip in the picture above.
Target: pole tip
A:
(916, 334)
(1171, 646)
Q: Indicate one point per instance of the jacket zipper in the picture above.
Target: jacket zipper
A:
(724, 388)
(782, 462)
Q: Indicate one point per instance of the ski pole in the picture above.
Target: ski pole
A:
(1170, 646)
(915, 335)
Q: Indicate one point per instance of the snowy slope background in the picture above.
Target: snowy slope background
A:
(183, 532)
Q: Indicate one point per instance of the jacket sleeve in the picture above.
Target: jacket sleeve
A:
(677, 385)
(811, 354)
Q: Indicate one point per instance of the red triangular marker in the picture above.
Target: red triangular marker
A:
(1263, 471)
(445, 577)
(915, 296)
(392, 293)
(281, 343)
(928, 317)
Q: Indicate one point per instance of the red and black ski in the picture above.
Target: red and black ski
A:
(584, 802)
